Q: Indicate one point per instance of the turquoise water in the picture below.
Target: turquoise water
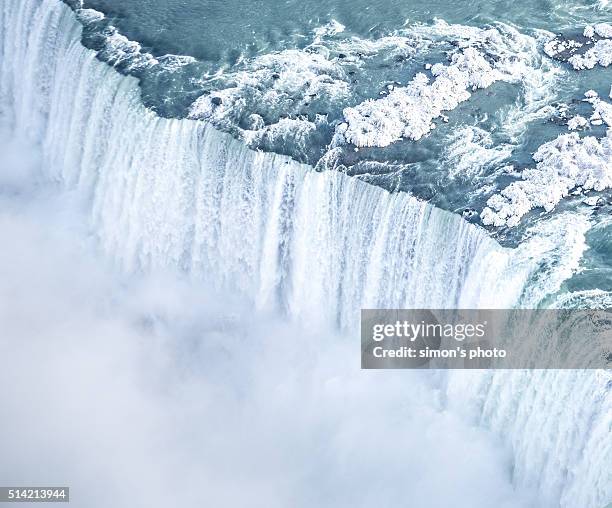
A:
(282, 74)
(220, 31)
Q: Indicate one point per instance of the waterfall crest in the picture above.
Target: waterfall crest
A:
(169, 193)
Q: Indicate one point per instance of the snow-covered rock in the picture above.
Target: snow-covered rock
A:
(573, 51)
(603, 30)
(565, 165)
(599, 54)
(593, 201)
(577, 122)
(408, 112)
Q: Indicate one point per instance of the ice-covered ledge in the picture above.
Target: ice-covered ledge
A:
(567, 164)
(409, 112)
(598, 36)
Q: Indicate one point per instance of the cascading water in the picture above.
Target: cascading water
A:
(177, 192)
(316, 246)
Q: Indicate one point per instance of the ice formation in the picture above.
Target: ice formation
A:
(409, 112)
(600, 53)
(275, 87)
(602, 29)
(577, 122)
(291, 87)
(298, 84)
(565, 164)
(556, 47)
(602, 110)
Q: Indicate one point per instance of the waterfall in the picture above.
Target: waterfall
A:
(169, 192)
(557, 423)
(315, 246)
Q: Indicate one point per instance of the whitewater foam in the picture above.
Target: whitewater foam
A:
(291, 87)
(470, 150)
